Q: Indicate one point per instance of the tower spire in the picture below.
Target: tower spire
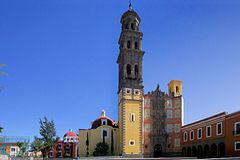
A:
(130, 5)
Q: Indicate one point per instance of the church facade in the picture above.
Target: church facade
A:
(148, 124)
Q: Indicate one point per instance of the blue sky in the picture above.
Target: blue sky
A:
(61, 58)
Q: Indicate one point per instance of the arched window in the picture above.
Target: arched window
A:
(177, 89)
(128, 69)
(136, 70)
(136, 45)
(132, 117)
(126, 26)
(129, 44)
(132, 26)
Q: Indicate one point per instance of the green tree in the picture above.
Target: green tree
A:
(36, 145)
(102, 149)
(48, 135)
(23, 148)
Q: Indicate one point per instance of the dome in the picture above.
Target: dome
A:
(70, 134)
(130, 13)
(103, 120)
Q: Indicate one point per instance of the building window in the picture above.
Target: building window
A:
(199, 131)
(132, 117)
(132, 143)
(237, 146)
(59, 146)
(136, 91)
(13, 149)
(104, 121)
(136, 70)
(132, 26)
(126, 26)
(191, 135)
(185, 137)
(177, 142)
(59, 154)
(177, 103)
(169, 113)
(177, 113)
(177, 90)
(128, 44)
(104, 133)
(237, 128)
(168, 104)
(51, 154)
(136, 45)
(147, 113)
(128, 91)
(177, 128)
(219, 128)
(147, 127)
(128, 69)
(67, 146)
(169, 128)
(208, 131)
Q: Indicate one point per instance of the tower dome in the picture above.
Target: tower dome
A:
(70, 136)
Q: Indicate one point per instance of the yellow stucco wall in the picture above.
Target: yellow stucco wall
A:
(130, 103)
(94, 136)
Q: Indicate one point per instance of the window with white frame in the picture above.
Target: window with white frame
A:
(147, 113)
(237, 128)
(132, 117)
(104, 133)
(219, 128)
(237, 146)
(59, 146)
(128, 91)
(59, 153)
(131, 142)
(169, 104)
(185, 136)
(169, 113)
(199, 133)
(177, 113)
(191, 135)
(51, 154)
(103, 122)
(137, 92)
(177, 103)
(208, 131)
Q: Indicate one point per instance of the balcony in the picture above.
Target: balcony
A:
(237, 132)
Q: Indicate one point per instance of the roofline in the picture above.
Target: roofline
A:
(207, 118)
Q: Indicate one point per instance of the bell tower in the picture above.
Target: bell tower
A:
(130, 87)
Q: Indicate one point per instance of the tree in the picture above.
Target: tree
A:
(23, 148)
(101, 149)
(48, 133)
(36, 145)
(1, 129)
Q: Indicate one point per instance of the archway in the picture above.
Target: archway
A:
(213, 150)
(157, 150)
(206, 151)
(221, 149)
(194, 151)
(184, 152)
(200, 151)
(189, 152)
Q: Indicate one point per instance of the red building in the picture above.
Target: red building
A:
(66, 148)
(163, 118)
(215, 136)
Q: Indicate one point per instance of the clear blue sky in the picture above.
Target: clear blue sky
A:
(61, 58)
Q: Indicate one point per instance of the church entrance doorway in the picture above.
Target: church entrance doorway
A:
(157, 150)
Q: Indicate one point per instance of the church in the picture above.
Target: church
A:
(148, 124)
